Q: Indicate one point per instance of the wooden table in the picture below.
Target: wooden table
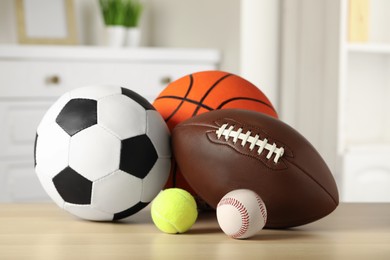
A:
(43, 231)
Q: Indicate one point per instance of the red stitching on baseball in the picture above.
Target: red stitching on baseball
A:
(263, 210)
(243, 212)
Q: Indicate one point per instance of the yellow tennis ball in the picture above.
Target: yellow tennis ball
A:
(174, 211)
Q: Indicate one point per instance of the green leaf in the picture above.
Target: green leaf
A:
(121, 12)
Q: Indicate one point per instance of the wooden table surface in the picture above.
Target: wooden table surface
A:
(43, 231)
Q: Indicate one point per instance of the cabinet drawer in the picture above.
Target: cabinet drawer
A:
(52, 78)
(19, 183)
(366, 174)
(19, 121)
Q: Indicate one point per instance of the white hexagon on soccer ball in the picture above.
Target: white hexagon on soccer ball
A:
(94, 153)
(95, 92)
(51, 150)
(49, 187)
(155, 179)
(116, 192)
(122, 116)
(158, 133)
(52, 113)
(87, 212)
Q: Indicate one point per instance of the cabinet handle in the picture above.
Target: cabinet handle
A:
(53, 80)
(166, 80)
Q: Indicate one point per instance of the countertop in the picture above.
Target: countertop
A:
(44, 231)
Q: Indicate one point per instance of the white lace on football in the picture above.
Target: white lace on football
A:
(228, 132)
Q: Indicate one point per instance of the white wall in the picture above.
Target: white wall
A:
(8, 28)
(310, 73)
(259, 50)
(165, 23)
(199, 23)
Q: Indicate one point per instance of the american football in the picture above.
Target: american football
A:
(230, 149)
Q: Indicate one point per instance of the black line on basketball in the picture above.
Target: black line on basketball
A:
(208, 92)
(186, 100)
(181, 103)
(245, 98)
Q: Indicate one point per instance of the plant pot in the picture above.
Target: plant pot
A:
(115, 35)
(133, 37)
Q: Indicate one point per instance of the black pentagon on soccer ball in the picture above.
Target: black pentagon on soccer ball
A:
(130, 211)
(77, 114)
(138, 156)
(35, 149)
(73, 187)
(137, 98)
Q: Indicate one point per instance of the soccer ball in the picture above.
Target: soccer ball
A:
(102, 153)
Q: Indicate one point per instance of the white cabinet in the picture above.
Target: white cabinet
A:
(366, 131)
(33, 77)
(365, 108)
(367, 94)
(337, 92)
(366, 173)
(19, 119)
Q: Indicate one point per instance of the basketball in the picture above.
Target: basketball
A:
(205, 91)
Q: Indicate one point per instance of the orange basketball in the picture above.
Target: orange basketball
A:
(205, 91)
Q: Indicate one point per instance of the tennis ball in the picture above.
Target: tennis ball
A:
(174, 211)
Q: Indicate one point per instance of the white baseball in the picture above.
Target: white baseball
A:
(241, 213)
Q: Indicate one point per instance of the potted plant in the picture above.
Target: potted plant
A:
(133, 10)
(121, 17)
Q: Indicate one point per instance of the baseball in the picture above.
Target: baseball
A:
(241, 213)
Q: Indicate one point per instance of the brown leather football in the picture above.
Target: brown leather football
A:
(230, 149)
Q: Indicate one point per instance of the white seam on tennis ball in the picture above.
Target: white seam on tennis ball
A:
(174, 226)
(187, 199)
